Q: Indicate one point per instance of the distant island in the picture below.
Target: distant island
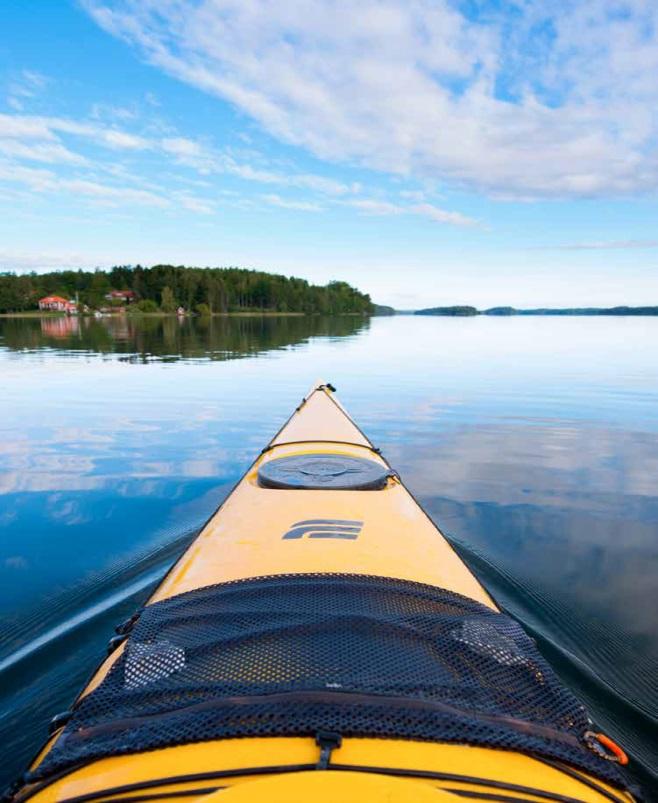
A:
(382, 309)
(169, 289)
(465, 311)
(450, 311)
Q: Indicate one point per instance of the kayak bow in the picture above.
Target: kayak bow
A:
(321, 639)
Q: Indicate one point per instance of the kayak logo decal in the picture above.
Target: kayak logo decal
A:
(325, 528)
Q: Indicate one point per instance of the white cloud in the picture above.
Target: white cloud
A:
(35, 79)
(33, 127)
(414, 195)
(207, 160)
(302, 206)
(319, 184)
(179, 146)
(190, 202)
(300, 180)
(415, 87)
(94, 189)
(54, 140)
(26, 86)
(29, 138)
(121, 139)
(51, 152)
(371, 206)
(374, 207)
(37, 179)
(37, 260)
(443, 215)
(105, 111)
(25, 127)
(47, 181)
(193, 154)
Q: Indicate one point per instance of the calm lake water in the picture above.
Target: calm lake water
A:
(532, 442)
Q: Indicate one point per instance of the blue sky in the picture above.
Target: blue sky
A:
(427, 151)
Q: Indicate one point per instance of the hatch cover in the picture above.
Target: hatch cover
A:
(323, 471)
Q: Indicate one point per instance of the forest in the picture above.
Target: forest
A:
(506, 311)
(457, 311)
(166, 287)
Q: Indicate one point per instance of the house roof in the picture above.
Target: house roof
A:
(47, 299)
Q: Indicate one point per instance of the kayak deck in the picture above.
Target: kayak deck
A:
(262, 532)
(245, 538)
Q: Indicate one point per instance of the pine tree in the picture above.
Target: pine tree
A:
(167, 300)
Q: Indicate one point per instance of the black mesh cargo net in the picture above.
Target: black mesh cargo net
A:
(298, 654)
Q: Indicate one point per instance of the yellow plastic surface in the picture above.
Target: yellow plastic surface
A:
(332, 787)
(245, 539)
(244, 754)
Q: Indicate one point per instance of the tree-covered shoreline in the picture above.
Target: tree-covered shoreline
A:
(166, 287)
(452, 312)
(464, 311)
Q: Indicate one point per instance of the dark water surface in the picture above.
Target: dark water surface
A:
(533, 443)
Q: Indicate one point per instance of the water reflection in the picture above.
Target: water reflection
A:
(60, 327)
(144, 338)
(568, 545)
(533, 443)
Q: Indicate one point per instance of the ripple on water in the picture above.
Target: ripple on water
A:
(533, 442)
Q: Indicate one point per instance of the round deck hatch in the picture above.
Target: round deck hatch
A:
(323, 471)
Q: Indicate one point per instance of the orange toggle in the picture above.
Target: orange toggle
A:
(613, 747)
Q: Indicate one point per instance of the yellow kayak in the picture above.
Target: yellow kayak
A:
(321, 641)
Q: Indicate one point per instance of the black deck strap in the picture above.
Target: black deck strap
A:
(431, 775)
(327, 741)
(125, 627)
(207, 790)
(474, 796)
(369, 447)
(567, 770)
(171, 780)
(554, 797)
(59, 720)
(115, 642)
